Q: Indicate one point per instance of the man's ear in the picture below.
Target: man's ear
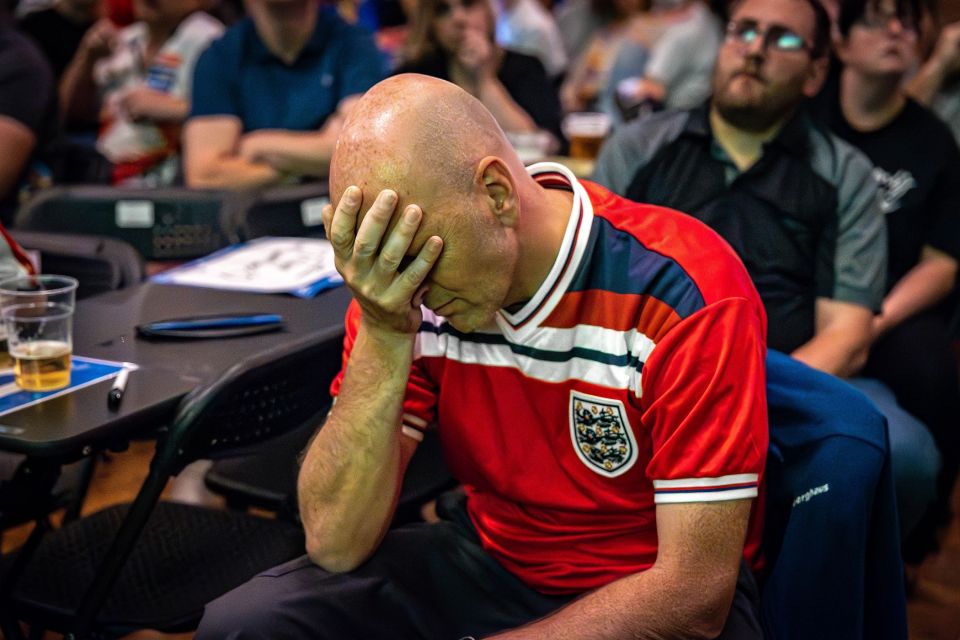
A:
(500, 190)
(816, 76)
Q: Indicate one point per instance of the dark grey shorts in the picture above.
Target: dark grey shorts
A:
(425, 582)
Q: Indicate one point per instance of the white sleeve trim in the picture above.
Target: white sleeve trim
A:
(410, 432)
(414, 421)
(737, 478)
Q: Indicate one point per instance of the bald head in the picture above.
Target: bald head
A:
(420, 136)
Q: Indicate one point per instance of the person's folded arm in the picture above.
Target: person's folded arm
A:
(299, 153)
(210, 158)
(78, 93)
(942, 63)
(143, 103)
(686, 594)
(926, 284)
(841, 342)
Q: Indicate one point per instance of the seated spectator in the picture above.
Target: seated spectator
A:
(917, 169)
(677, 72)
(589, 84)
(58, 30)
(28, 116)
(454, 40)
(525, 26)
(594, 498)
(799, 205)
(137, 80)
(269, 98)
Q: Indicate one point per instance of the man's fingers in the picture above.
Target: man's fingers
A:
(398, 242)
(341, 228)
(374, 224)
(416, 272)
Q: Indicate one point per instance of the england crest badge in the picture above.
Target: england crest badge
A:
(601, 434)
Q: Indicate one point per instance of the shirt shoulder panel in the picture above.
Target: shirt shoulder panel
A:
(633, 145)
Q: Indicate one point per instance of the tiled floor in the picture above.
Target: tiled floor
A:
(934, 606)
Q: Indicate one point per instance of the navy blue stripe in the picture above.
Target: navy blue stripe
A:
(708, 489)
(624, 360)
(616, 261)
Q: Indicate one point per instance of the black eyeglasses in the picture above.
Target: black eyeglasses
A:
(876, 20)
(444, 9)
(775, 36)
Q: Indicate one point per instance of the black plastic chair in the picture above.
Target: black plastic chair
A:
(267, 479)
(155, 564)
(163, 223)
(99, 263)
(287, 211)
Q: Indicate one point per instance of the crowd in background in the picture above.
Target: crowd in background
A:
(155, 93)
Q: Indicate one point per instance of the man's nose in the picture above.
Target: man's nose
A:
(757, 48)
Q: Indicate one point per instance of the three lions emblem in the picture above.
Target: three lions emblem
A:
(601, 434)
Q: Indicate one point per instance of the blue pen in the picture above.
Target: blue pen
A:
(216, 322)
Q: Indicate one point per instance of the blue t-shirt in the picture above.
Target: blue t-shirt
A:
(239, 76)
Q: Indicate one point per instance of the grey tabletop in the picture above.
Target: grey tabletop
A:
(105, 327)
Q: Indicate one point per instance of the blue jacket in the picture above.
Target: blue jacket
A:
(832, 540)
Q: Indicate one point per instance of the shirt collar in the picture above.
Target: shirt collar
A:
(792, 137)
(318, 39)
(572, 249)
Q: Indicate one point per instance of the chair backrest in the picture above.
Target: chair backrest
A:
(163, 223)
(100, 264)
(260, 397)
(292, 211)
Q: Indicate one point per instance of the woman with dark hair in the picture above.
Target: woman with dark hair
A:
(454, 40)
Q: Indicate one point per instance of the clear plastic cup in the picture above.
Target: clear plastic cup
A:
(40, 340)
(586, 131)
(26, 289)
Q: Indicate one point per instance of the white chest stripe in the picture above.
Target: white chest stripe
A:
(607, 341)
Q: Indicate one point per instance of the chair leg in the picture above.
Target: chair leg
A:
(8, 622)
(87, 467)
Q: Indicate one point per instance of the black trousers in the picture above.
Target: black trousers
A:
(426, 581)
(915, 360)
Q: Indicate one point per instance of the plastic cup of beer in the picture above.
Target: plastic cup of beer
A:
(586, 132)
(40, 339)
(26, 289)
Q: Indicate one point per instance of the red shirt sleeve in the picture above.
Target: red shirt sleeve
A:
(704, 402)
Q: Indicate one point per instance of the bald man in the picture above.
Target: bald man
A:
(594, 367)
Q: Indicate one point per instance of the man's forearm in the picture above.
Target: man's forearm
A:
(231, 173)
(297, 152)
(644, 606)
(834, 353)
(79, 102)
(922, 287)
(350, 477)
(923, 87)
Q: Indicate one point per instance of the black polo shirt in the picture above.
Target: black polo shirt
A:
(803, 218)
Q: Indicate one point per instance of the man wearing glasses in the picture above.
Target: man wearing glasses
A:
(799, 205)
